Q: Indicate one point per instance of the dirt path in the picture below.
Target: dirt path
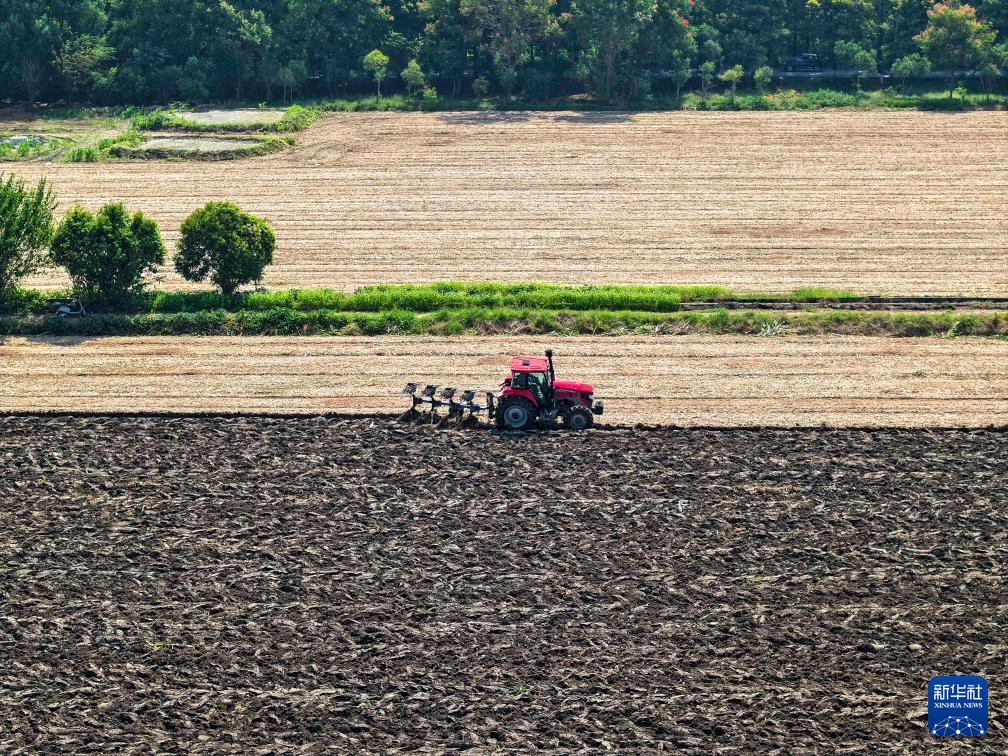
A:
(686, 380)
(256, 585)
(878, 202)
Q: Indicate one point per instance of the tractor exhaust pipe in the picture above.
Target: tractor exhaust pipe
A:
(549, 356)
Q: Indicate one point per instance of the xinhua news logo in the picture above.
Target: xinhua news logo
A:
(957, 705)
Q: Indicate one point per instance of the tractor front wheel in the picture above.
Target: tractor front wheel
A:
(578, 418)
(515, 413)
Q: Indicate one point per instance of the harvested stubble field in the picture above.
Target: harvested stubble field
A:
(684, 380)
(875, 202)
(267, 585)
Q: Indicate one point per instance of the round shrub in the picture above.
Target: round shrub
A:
(222, 243)
(109, 254)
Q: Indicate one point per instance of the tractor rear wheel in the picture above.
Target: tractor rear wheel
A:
(515, 413)
(578, 418)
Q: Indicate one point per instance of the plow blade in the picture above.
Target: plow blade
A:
(462, 406)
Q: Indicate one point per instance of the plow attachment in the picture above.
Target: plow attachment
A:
(461, 406)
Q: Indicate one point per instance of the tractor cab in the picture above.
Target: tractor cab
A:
(531, 374)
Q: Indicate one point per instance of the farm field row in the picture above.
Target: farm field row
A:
(874, 202)
(683, 380)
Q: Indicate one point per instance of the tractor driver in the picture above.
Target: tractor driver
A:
(537, 385)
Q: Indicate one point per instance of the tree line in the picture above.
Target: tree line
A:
(156, 51)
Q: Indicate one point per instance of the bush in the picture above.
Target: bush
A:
(222, 243)
(825, 98)
(83, 155)
(26, 226)
(153, 121)
(296, 118)
(480, 86)
(911, 66)
(108, 255)
(413, 77)
(23, 302)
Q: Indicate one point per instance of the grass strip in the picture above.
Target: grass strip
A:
(432, 297)
(295, 118)
(497, 321)
(793, 95)
(257, 146)
(460, 296)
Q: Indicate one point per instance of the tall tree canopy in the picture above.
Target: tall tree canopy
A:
(158, 51)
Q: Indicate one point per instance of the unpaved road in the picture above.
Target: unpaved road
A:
(264, 585)
(685, 380)
(877, 202)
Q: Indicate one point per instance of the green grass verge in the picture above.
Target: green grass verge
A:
(431, 297)
(462, 295)
(35, 149)
(285, 322)
(485, 308)
(106, 148)
(295, 118)
(816, 99)
(793, 95)
(257, 146)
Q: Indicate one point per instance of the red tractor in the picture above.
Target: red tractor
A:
(532, 393)
(529, 395)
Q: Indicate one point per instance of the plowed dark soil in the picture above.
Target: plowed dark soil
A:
(275, 585)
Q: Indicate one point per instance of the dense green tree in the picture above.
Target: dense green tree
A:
(376, 63)
(706, 74)
(680, 72)
(34, 36)
(955, 38)
(911, 66)
(156, 51)
(996, 12)
(993, 64)
(607, 33)
(82, 61)
(332, 36)
(667, 43)
(26, 227)
(222, 243)
(413, 77)
(480, 86)
(291, 76)
(246, 35)
(861, 62)
(750, 32)
(836, 21)
(762, 78)
(508, 30)
(732, 76)
(109, 254)
(447, 44)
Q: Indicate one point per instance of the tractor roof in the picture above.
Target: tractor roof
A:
(529, 365)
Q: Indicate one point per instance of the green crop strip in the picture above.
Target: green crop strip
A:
(461, 296)
(487, 308)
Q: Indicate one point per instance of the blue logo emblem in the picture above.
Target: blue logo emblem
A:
(957, 705)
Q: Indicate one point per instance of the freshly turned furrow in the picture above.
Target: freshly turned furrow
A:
(878, 202)
(684, 380)
(357, 585)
